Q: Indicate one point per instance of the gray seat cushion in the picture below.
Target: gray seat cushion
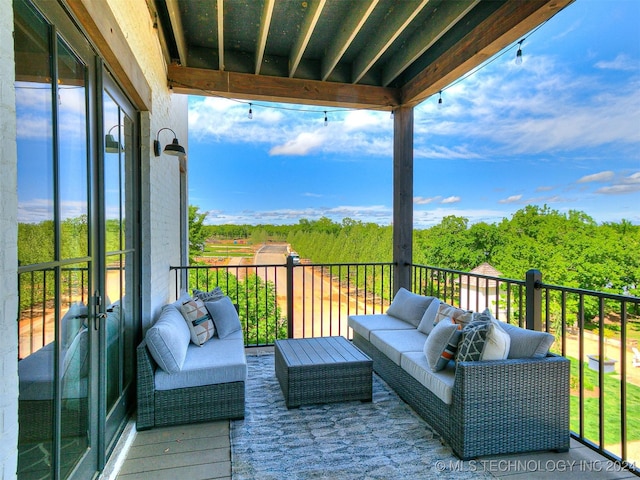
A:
(365, 324)
(393, 343)
(439, 383)
(217, 361)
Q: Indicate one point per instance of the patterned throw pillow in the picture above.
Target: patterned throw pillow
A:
(199, 321)
(458, 315)
(212, 296)
(442, 343)
(474, 339)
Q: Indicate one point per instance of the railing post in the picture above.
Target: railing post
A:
(289, 296)
(534, 300)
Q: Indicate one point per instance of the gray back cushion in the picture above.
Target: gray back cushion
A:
(527, 343)
(225, 316)
(168, 339)
(409, 306)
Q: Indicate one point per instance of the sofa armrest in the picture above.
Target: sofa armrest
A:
(523, 402)
(145, 387)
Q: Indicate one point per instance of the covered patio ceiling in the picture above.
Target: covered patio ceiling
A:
(376, 54)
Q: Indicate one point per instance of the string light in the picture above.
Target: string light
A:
(519, 53)
(518, 61)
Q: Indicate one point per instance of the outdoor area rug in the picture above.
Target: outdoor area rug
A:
(382, 439)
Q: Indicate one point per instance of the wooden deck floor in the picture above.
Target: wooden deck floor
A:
(203, 451)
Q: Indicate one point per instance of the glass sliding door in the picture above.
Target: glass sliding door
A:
(78, 267)
(55, 413)
(120, 208)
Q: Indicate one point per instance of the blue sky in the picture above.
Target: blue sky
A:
(562, 129)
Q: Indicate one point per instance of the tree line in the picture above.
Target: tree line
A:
(570, 249)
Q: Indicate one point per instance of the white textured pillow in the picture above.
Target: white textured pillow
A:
(498, 342)
(199, 321)
(408, 306)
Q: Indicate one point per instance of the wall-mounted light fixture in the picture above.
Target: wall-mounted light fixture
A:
(111, 145)
(174, 148)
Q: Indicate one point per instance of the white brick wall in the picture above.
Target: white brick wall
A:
(8, 251)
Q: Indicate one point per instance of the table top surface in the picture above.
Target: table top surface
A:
(319, 351)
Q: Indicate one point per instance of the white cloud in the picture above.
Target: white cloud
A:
(540, 107)
(633, 178)
(425, 200)
(303, 144)
(511, 199)
(624, 185)
(291, 129)
(619, 189)
(451, 199)
(597, 177)
(622, 62)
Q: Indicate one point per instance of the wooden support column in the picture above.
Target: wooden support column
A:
(402, 197)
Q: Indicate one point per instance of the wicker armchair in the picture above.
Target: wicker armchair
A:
(183, 405)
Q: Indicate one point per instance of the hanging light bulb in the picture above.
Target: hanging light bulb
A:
(250, 112)
(326, 121)
(391, 116)
(519, 53)
(440, 99)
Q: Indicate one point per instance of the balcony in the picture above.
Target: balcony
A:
(312, 300)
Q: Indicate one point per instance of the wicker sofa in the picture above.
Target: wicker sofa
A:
(483, 407)
(179, 381)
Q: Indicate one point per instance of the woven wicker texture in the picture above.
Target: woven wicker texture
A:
(183, 405)
(499, 407)
(322, 370)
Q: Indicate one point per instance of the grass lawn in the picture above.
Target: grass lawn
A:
(226, 250)
(611, 406)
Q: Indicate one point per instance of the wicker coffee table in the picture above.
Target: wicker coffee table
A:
(322, 370)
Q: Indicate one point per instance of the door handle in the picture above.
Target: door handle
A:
(99, 318)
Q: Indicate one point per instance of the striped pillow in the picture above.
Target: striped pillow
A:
(442, 343)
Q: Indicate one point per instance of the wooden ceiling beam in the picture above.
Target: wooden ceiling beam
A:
(199, 81)
(265, 23)
(220, 5)
(508, 24)
(306, 30)
(398, 19)
(178, 32)
(347, 32)
(443, 17)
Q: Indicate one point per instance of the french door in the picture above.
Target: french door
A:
(77, 248)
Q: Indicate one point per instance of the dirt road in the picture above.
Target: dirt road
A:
(320, 305)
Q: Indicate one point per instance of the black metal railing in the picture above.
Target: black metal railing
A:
(311, 300)
(317, 299)
(301, 301)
